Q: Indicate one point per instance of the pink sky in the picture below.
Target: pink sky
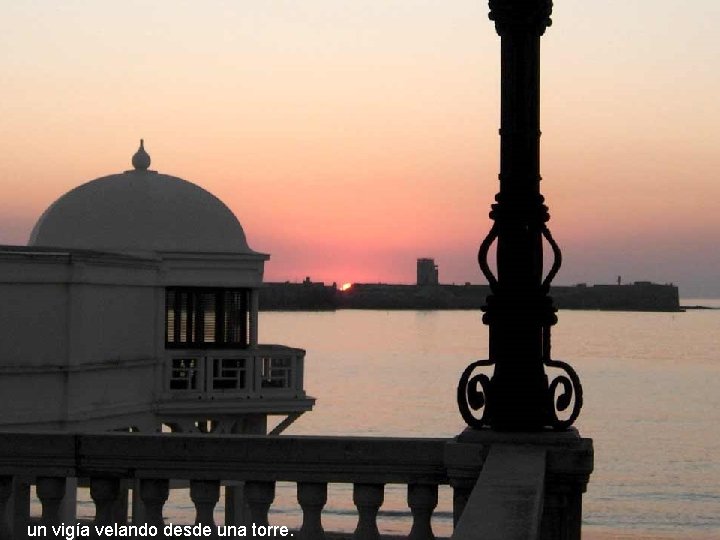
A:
(351, 138)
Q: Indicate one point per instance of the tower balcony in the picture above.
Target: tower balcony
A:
(217, 382)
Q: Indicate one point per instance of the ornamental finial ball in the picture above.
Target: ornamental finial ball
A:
(141, 159)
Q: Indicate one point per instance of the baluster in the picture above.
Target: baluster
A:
(205, 495)
(312, 497)
(120, 506)
(104, 493)
(422, 500)
(462, 487)
(368, 498)
(235, 507)
(20, 506)
(50, 491)
(154, 493)
(6, 489)
(259, 497)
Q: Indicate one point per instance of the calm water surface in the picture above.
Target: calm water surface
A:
(652, 402)
(652, 406)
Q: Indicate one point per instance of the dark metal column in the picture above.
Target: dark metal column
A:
(519, 311)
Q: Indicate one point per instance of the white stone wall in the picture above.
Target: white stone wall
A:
(33, 320)
(79, 339)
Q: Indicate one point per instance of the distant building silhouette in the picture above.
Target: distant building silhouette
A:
(427, 272)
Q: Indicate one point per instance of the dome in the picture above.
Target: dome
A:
(138, 211)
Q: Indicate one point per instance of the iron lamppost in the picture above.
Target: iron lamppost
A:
(519, 310)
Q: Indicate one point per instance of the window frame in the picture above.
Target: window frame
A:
(192, 324)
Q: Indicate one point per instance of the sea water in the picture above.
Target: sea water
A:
(652, 405)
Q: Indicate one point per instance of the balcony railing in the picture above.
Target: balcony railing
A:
(256, 372)
(544, 483)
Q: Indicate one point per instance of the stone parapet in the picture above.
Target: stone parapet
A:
(545, 471)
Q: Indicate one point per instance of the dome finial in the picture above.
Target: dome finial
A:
(141, 159)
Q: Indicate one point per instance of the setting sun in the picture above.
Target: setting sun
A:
(345, 286)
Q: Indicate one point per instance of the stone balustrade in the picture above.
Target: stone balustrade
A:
(206, 461)
(108, 461)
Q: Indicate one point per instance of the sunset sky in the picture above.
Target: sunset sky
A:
(352, 137)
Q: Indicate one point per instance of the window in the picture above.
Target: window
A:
(203, 318)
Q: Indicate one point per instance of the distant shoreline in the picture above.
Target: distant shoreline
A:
(314, 296)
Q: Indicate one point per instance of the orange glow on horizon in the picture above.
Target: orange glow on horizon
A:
(346, 286)
(277, 107)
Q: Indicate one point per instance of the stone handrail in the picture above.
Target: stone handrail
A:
(47, 459)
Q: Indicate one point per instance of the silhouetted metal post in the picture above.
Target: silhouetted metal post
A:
(519, 311)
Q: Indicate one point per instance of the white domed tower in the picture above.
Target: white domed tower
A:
(135, 305)
(139, 212)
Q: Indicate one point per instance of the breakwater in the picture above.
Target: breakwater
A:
(311, 296)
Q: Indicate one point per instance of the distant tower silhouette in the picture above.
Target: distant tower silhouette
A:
(427, 272)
